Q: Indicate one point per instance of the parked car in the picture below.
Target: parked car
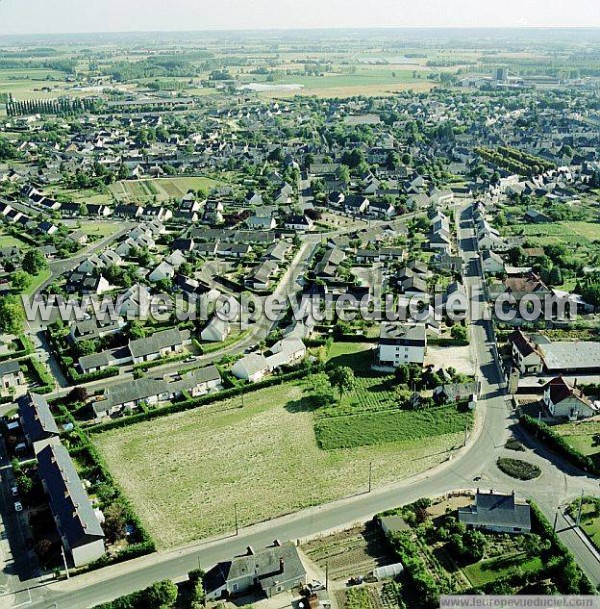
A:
(14, 491)
(18, 506)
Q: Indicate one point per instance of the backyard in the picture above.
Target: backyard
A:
(185, 473)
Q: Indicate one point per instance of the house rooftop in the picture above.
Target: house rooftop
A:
(68, 499)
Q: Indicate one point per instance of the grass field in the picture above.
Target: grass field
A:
(490, 570)
(162, 189)
(382, 427)
(590, 522)
(185, 472)
(100, 229)
(565, 233)
(10, 241)
(581, 437)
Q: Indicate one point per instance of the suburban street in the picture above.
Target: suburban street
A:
(471, 467)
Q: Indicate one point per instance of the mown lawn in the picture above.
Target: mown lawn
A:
(184, 473)
(490, 570)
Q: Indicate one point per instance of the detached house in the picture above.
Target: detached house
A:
(10, 376)
(566, 400)
(401, 343)
(495, 512)
(525, 353)
(273, 570)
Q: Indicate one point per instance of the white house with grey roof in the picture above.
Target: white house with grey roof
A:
(160, 344)
(272, 571)
(497, 512)
(401, 343)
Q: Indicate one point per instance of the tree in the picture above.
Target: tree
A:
(34, 262)
(20, 280)
(342, 377)
(115, 520)
(161, 595)
(86, 347)
(343, 174)
(458, 333)
(12, 316)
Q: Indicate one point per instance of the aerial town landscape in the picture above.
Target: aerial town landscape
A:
(304, 318)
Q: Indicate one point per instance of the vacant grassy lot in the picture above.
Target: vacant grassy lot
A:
(100, 229)
(160, 188)
(395, 426)
(562, 233)
(185, 472)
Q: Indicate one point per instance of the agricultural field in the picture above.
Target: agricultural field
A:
(569, 233)
(159, 189)
(184, 473)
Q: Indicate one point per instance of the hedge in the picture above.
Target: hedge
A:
(88, 377)
(27, 349)
(203, 400)
(558, 444)
(45, 378)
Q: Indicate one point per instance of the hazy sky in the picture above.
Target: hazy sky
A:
(70, 16)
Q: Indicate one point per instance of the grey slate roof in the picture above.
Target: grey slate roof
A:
(9, 368)
(68, 499)
(494, 510)
(153, 344)
(266, 565)
(38, 422)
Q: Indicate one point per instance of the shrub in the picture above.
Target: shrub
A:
(518, 469)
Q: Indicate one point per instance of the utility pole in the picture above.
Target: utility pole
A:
(555, 520)
(237, 527)
(64, 557)
(327, 574)
(580, 508)
(370, 475)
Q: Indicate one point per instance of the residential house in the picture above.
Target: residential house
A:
(491, 262)
(217, 330)
(11, 376)
(160, 344)
(36, 419)
(299, 223)
(76, 520)
(401, 343)
(566, 400)
(497, 512)
(272, 571)
(525, 353)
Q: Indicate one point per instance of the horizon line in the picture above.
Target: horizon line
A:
(309, 29)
